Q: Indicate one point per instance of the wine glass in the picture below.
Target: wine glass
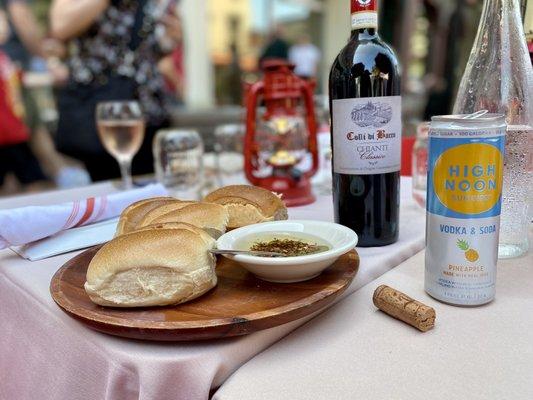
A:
(121, 130)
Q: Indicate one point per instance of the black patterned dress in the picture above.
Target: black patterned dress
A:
(105, 51)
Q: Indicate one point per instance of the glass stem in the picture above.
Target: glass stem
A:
(125, 171)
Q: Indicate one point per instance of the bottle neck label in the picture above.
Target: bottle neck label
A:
(364, 14)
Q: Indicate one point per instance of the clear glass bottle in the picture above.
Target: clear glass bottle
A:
(499, 78)
(420, 164)
(178, 162)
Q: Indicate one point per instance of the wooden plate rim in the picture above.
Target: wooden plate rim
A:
(311, 301)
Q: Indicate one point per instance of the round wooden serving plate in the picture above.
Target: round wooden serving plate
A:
(238, 305)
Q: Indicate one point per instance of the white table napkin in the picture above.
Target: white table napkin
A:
(69, 240)
(24, 225)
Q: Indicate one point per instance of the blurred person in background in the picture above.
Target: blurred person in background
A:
(173, 69)
(276, 47)
(460, 31)
(15, 154)
(26, 42)
(25, 38)
(305, 56)
(114, 55)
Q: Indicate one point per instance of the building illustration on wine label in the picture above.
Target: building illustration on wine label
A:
(372, 114)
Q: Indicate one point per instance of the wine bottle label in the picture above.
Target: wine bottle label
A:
(367, 135)
(364, 14)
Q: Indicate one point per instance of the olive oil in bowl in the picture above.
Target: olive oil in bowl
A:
(290, 244)
(322, 242)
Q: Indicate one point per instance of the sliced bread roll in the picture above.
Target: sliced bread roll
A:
(152, 267)
(248, 205)
(211, 217)
(132, 215)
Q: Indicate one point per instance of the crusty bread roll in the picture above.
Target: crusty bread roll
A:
(248, 205)
(179, 225)
(156, 212)
(152, 267)
(132, 215)
(211, 217)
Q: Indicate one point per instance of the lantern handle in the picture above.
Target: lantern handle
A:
(249, 150)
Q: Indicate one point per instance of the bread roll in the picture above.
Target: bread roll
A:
(152, 267)
(213, 218)
(248, 205)
(156, 212)
(132, 215)
(179, 225)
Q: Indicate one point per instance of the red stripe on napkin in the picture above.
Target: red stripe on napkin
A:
(73, 214)
(88, 212)
(103, 204)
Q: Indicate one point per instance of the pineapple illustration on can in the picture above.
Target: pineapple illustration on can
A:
(465, 173)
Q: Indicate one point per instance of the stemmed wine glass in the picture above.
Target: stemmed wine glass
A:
(121, 130)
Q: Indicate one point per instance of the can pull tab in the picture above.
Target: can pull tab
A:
(475, 115)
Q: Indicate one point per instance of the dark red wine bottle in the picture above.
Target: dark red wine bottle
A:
(366, 128)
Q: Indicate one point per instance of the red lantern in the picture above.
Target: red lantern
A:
(280, 147)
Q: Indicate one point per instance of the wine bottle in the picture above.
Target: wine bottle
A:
(366, 127)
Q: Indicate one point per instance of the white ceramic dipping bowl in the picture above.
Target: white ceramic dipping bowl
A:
(290, 269)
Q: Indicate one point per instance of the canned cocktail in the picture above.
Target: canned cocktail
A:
(463, 207)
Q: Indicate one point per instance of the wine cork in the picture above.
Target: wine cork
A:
(404, 308)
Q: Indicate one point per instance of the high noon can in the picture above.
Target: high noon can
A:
(465, 172)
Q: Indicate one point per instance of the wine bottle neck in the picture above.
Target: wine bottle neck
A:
(364, 33)
(364, 15)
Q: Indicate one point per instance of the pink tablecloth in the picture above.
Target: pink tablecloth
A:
(44, 354)
(480, 353)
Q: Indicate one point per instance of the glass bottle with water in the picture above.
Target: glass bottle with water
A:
(420, 164)
(499, 78)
